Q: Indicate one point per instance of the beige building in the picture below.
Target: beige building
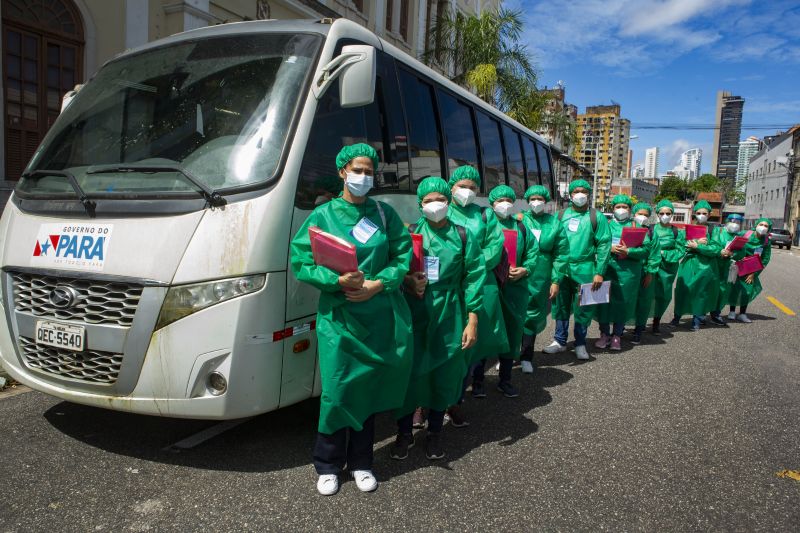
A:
(603, 144)
(48, 46)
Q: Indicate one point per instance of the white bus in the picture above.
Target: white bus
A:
(145, 248)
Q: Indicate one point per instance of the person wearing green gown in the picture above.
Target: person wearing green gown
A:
(551, 267)
(698, 277)
(363, 322)
(444, 301)
(589, 248)
(732, 229)
(650, 266)
(748, 287)
(515, 292)
(672, 242)
(482, 225)
(625, 274)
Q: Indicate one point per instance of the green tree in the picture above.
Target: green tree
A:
(706, 183)
(674, 189)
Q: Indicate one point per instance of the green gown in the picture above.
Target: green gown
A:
(625, 275)
(743, 293)
(365, 348)
(723, 268)
(588, 256)
(551, 267)
(698, 279)
(650, 265)
(439, 319)
(492, 338)
(673, 248)
(515, 295)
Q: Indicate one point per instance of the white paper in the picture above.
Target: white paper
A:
(616, 240)
(364, 230)
(537, 233)
(573, 224)
(431, 268)
(600, 296)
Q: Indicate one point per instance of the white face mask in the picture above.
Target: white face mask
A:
(641, 219)
(464, 196)
(621, 214)
(580, 199)
(435, 211)
(537, 206)
(732, 227)
(665, 219)
(503, 209)
(701, 218)
(762, 230)
(358, 184)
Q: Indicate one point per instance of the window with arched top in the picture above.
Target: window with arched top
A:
(42, 59)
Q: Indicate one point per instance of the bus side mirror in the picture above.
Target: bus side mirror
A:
(69, 96)
(355, 67)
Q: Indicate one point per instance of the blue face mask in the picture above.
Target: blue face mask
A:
(358, 184)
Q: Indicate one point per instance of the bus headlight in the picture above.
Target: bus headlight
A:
(183, 300)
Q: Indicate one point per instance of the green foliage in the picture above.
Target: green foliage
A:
(674, 189)
(706, 183)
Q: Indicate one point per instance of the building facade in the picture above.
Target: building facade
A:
(747, 149)
(641, 190)
(604, 141)
(768, 192)
(49, 46)
(691, 160)
(651, 163)
(725, 154)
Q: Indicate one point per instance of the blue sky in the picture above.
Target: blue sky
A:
(663, 61)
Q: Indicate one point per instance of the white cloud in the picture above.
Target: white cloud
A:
(646, 16)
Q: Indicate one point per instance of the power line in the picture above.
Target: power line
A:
(676, 126)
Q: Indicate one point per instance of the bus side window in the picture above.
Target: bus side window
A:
(424, 136)
(544, 164)
(456, 118)
(494, 168)
(532, 162)
(516, 166)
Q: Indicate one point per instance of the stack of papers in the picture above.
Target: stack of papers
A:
(600, 296)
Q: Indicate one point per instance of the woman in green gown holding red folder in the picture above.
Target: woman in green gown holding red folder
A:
(748, 287)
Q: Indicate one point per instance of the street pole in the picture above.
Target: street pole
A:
(594, 182)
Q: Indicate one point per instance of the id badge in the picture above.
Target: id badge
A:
(364, 230)
(758, 251)
(432, 268)
(616, 240)
(573, 224)
(538, 234)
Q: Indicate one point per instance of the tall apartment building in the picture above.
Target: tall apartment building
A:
(651, 163)
(747, 149)
(87, 33)
(604, 140)
(690, 161)
(725, 157)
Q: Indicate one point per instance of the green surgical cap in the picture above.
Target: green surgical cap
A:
(501, 191)
(764, 219)
(350, 152)
(579, 183)
(702, 204)
(622, 199)
(643, 205)
(432, 184)
(537, 190)
(665, 203)
(465, 172)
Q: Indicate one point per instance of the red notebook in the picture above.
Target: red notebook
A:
(633, 237)
(511, 246)
(695, 232)
(416, 260)
(748, 265)
(332, 252)
(737, 244)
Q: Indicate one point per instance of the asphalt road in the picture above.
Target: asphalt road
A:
(683, 433)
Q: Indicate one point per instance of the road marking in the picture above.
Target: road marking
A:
(789, 474)
(779, 305)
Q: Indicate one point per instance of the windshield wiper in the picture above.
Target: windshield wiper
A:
(88, 204)
(213, 198)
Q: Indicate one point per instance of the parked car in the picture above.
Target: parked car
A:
(781, 237)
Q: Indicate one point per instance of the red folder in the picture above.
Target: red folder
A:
(416, 260)
(633, 237)
(695, 232)
(332, 252)
(511, 246)
(748, 265)
(736, 244)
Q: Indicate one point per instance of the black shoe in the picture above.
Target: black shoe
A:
(716, 319)
(433, 446)
(637, 337)
(457, 418)
(674, 323)
(508, 390)
(656, 330)
(402, 444)
(477, 390)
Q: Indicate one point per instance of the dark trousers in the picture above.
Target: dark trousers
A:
(405, 425)
(742, 309)
(527, 347)
(479, 372)
(345, 447)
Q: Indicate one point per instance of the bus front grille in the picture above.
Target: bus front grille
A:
(97, 302)
(91, 365)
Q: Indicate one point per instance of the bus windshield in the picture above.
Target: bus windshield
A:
(217, 108)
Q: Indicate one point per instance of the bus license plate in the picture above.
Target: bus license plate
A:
(58, 335)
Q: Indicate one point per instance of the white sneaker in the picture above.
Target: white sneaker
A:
(732, 315)
(365, 481)
(527, 367)
(581, 353)
(497, 366)
(555, 347)
(328, 484)
(744, 318)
